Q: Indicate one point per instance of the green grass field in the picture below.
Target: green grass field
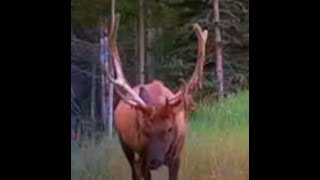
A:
(217, 148)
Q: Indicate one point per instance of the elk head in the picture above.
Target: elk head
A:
(159, 112)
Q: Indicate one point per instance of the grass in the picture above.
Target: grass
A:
(217, 148)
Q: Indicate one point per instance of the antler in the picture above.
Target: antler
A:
(195, 82)
(121, 85)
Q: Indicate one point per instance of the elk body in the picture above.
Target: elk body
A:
(150, 119)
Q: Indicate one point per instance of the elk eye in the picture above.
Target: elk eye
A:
(170, 129)
(146, 133)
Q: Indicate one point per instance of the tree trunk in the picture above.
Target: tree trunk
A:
(103, 99)
(93, 97)
(111, 87)
(218, 42)
(159, 53)
(141, 43)
(110, 105)
(103, 56)
(136, 51)
(150, 58)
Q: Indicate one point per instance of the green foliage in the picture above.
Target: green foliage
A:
(180, 43)
(87, 12)
(226, 115)
(177, 43)
(160, 14)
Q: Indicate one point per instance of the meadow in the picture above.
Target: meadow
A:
(217, 147)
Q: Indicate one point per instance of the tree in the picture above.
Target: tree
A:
(141, 42)
(93, 96)
(218, 43)
(103, 60)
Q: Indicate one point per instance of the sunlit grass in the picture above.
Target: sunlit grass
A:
(217, 147)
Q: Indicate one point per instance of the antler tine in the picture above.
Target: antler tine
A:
(120, 82)
(195, 81)
(202, 39)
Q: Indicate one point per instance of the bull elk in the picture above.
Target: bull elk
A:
(150, 119)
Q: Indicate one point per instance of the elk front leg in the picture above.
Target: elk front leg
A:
(145, 169)
(174, 169)
(135, 165)
(138, 169)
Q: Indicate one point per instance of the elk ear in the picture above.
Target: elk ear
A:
(174, 104)
(145, 96)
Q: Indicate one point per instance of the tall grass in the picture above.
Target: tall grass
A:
(217, 148)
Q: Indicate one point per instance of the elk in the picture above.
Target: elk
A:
(151, 120)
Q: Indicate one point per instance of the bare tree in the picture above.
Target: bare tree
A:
(218, 43)
(150, 38)
(141, 42)
(111, 86)
(103, 54)
(110, 104)
(93, 95)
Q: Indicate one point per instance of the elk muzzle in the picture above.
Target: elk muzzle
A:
(156, 153)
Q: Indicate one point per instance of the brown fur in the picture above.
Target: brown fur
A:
(129, 121)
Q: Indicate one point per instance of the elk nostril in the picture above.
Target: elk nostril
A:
(154, 163)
